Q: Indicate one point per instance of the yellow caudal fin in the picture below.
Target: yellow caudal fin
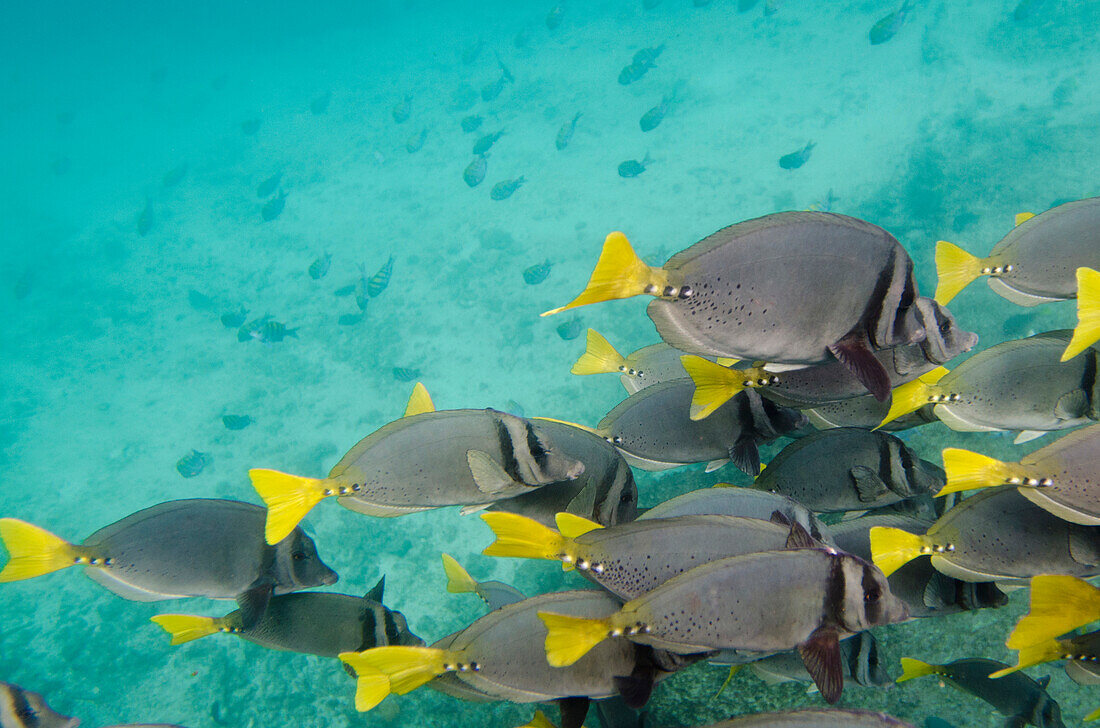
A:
(968, 471)
(911, 396)
(407, 668)
(34, 551)
(599, 357)
(419, 401)
(185, 627)
(371, 686)
(568, 639)
(1094, 715)
(714, 384)
(955, 269)
(571, 525)
(911, 668)
(1022, 217)
(1034, 655)
(892, 548)
(459, 580)
(619, 273)
(523, 537)
(288, 498)
(1087, 331)
(1059, 604)
(539, 721)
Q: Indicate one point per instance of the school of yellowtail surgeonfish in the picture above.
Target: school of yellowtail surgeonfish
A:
(768, 325)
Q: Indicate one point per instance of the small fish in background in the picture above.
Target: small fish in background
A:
(319, 105)
(888, 26)
(236, 422)
(825, 204)
(234, 319)
(633, 168)
(351, 319)
(318, 269)
(504, 189)
(565, 133)
(273, 332)
(771, 7)
(633, 72)
(343, 291)
(491, 90)
(553, 18)
(145, 219)
(22, 287)
(268, 186)
(416, 142)
(744, 6)
(473, 51)
(652, 118)
(1064, 92)
(402, 110)
(273, 207)
(245, 332)
(648, 56)
(406, 374)
(1027, 9)
(362, 297)
(174, 176)
(21, 708)
(474, 173)
(200, 301)
(571, 329)
(794, 160)
(486, 142)
(537, 273)
(513, 407)
(192, 464)
(650, 4)
(378, 282)
(471, 123)
(249, 127)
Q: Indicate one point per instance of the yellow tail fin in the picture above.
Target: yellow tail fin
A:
(571, 526)
(371, 686)
(892, 548)
(968, 471)
(599, 357)
(911, 396)
(568, 639)
(1092, 716)
(539, 721)
(459, 580)
(288, 497)
(523, 538)
(955, 269)
(407, 668)
(419, 401)
(34, 551)
(714, 384)
(185, 627)
(1059, 604)
(911, 668)
(1022, 217)
(619, 273)
(1087, 331)
(1034, 655)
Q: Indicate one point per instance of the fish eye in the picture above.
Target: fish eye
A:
(298, 556)
(945, 327)
(872, 595)
(626, 497)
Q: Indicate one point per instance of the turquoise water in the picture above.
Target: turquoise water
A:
(113, 369)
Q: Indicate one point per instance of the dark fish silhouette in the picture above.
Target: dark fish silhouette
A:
(200, 301)
(633, 168)
(504, 189)
(553, 18)
(571, 329)
(145, 219)
(406, 374)
(318, 269)
(378, 282)
(192, 464)
(656, 115)
(273, 207)
(234, 319)
(888, 26)
(416, 142)
(475, 171)
(794, 160)
(565, 134)
(537, 273)
(402, 110)
(486, 142)
(236, 422)
(268, 186)
(471, 123)
(350, 319)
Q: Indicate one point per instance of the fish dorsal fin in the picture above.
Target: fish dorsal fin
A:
(376, 592)
(419, 401)
(571, 525)
(586, 428)
(1022, 217)
(821, 656)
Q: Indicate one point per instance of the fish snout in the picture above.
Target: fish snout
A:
(330, 577)
(575, 470)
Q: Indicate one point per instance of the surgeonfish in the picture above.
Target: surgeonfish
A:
(1019, 697)
(654, 116)
(184, 548)
(416, 142)
(378, 282)
(633, 168)
(814, 718)
(318, 269)
(312, 623)
(21, 708)
(191, 464)
(1015, 385)
(1059, 605)
(1081, 652)
(1062, 478)
(480, 455)
(631, 559)
(537, 273)
(888, 26)
(505, 188)
(745, 292)
(565, 133)
(860, 659)
(474, 173)
(495, 594)
(402, 110)
(273, 207)
(796, 159)
(806, 598)
(486, 142)
(995, 535)
(849, 469)
(471, 123)
(1036, 262)
(651, 364)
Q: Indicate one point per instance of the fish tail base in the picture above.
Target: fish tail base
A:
(714, 385)
(186, 627)
(459, 580)
(893, 548)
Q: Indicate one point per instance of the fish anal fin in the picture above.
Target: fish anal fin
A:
(573, 711)
(1027, 436)
(869, 486)
(635, 689)
(716, 464)
(854, 352)
(821, 656)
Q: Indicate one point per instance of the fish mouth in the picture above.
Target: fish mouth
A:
(330, 578)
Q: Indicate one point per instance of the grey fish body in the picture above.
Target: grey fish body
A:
(1013, 695)
(632, 167)
(744, 502)
(633, 72)
(565, 133)
(849, 469)
(1073, 464)
(860, 658)
(866, 412)
(474, 173)
(399, 468)
(201, 548)
(815, 718)
(146, 219)
(652, 428)
(21, 708)
(654, 116)
(794, 160)
(471, 123)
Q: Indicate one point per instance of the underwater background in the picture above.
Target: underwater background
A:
(134, 136)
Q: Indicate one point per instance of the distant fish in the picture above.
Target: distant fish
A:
(381, 279)
(888, 26)
(565, 133)
(362, 297)
(192, 464)
(318, 269)
(174, 176)
(633, 168)
(571, 329)
(345, 290)
(416, 142)
(245, 332)
(402, 110)
(504, 189)
(491, 90)
(406, 374)
(648, 56)
(273, 207)
(553, 18)
(475, 171)
(234, 319)
(633, 72)
(471, 52)
(486, 142)
(319, 105)
(200, 301)
(350, 319)
(236, 422)
(273, 332)
(650, 4)
(145, 219)
(656, 115)
(537, 273)
(471, 123)
(268, 186)
(249, 127)
(794, 160)
(1027, 9)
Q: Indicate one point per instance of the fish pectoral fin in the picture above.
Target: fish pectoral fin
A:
(253, 601)
(854, 352)
(636, 688)
(869, 486)
(1028, 436)
(821, 656)
(490, 477)
(1072, 405)
(716, 464)
(573, 711)
(939, 592)
(473, 508)
(745, 454)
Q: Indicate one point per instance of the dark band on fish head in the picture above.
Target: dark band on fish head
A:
(892, 298)
(943, 339)
(536, 447)
(507, 449)
(873, 598)
(25, 715)
(392, 632)
(1089, 383)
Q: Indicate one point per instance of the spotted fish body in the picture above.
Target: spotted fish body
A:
(743, 502)
(815, 718)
